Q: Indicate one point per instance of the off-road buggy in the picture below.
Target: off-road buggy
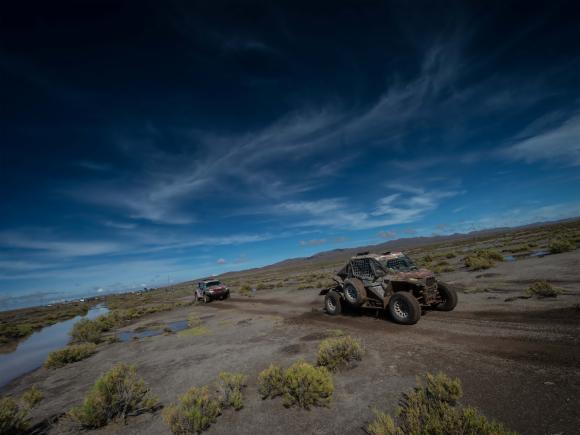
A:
(389, 281)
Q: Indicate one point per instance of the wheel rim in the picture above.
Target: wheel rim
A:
(351, 292)
(401, 309)
(330, 305)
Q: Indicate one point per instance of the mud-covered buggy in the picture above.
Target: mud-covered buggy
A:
(389, 281)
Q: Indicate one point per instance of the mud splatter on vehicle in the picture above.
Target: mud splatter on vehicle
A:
(389, 281)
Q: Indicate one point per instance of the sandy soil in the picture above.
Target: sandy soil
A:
(519, 362)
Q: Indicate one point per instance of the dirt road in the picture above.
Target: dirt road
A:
(519, 362)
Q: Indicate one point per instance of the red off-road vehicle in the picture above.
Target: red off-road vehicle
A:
(389, 281)
(211, 289)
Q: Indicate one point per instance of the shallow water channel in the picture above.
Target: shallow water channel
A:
(31, 353)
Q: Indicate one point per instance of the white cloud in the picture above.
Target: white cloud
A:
(559, 144)
(397, 208)
(221, 261)
(50, 244)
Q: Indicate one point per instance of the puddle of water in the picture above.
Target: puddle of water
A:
(509, 258)
(32, 352)
(540, 254)
(180, 325)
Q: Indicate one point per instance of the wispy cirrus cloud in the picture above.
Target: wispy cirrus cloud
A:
(560, 144)
(280, 160)
(397, 208)
(50, 244)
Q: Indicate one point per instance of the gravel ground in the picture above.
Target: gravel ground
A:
(519, 362)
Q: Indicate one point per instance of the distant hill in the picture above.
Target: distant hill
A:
(401, 244)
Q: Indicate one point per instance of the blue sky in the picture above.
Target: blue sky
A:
(145, 144)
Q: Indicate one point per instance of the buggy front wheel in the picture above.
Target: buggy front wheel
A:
(332, 303)
(404, 308)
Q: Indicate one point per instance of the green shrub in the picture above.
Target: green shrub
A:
(427, 258)
(561, 244)
(194, 412)
(69, 354)
(483, 259)
(491, 254)
(13, 419)
(478, 263)
(433, 409)
(115, 395)
(246, 290)
(193, 320)
(32, 397)
(230, 386)
(543, 289)
(450, 255)
(306, 386)
(86, 331)
(271, 382)
(336, 352)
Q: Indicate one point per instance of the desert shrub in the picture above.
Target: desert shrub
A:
(336, 352)
(69, 354)
(478, 263)
(483, 259)
(194, 412)
(115, 395)
(450, 255)
(491, 254)
(230, 386)
(32, 397)
(306, 385)
(543, 289)
(427, 258)
(271, 382)
(246, 290)
(193, 320)
(86, 331)
(433, 409)
(13, 418)
(561, 244)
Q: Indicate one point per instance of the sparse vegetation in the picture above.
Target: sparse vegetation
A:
(230, 386)
(433, 409)
(18, 324)
(271, 382)
(86, 331)
(483, 259)
(245, 290)
(194, 332)
(543, 289)
(193, 320)
(561, 244)
(91, 331)
(69, 354)
(450, 255)
(194, 412)
(32, 397)
(13, 417)
(115, 395)
(334, 353)
(306, 386)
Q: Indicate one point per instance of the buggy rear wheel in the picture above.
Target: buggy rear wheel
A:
(332, 303)
(404, 308)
